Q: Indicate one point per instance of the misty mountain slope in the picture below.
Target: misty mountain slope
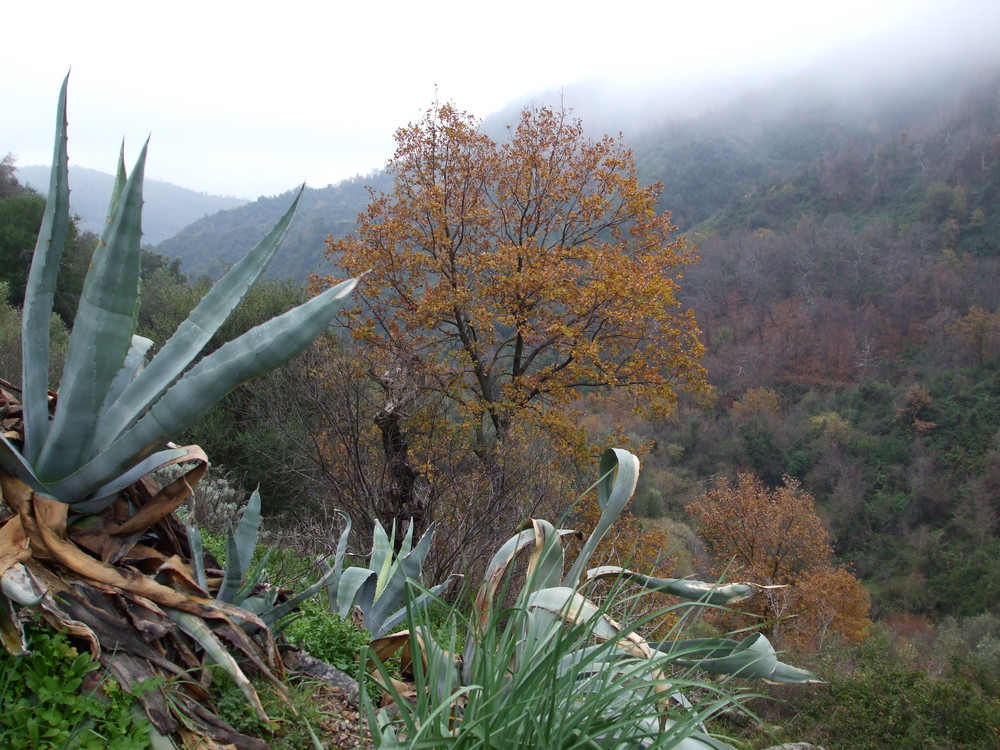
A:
(168, 208)
(213, 243)
(939, 164)
(748, 154)
(831, 114)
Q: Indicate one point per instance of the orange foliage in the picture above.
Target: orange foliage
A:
(774, 537)
(517, 273)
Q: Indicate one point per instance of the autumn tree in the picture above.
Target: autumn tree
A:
(774, 537)
(512, 276)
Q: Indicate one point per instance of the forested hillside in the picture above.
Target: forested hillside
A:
(169, 208)
(850, 309)
(210, 245)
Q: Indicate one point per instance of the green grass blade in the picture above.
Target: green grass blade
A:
(40, 291)
(102, 335)
(192, 335)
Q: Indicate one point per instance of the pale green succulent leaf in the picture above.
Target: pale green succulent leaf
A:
(441, 666)
(248, 529)
(121, 178)
(352, 582)
(786, 673)
(19, 585)
(240, 545)
(271, 616)
(390, 593)
(101, 337)
(619, 472)
(752, 658)
(428, 597)
(333, 570)
(380, 559)
(260, 350)
(253, 577)
(216, 652)
(546, 565)
(711, 593)
(40, 290)
(197, 555)
(571, 607)
(193, 334)
(104, 495)
(134, 362)
(15, 463)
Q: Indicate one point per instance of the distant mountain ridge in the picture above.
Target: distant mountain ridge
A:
(168, 208)
(213, 243)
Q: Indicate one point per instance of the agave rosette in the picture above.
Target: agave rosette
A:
(593, 657)
(85, 536)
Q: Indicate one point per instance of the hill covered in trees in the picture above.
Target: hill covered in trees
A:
(169, 208)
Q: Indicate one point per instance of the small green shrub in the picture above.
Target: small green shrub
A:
(881, 702)
(330, 638)
(45, 702)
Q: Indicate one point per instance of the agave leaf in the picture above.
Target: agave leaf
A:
(545, 565)
(694, 740)
(619, 475)
(193, 334)
(40, 291)
(260, 350)
(135, 360)
(102, 334)
(428, 597)
(752, 658)
(248, 529)
(711, 593)
(357, 586)
(380, 560)
(406, 568)
(103, 496)
(121, 178)
(17, 584)
(333, 570)
(253, 578)
(16, 463)
(197, 555)
(573, 608)
(196, 628)
(440, 665)
(786, 673)
(274, 614)
(232, 575)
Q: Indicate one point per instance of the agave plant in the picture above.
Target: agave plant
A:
(377, 594)
(556, 665)
(85, 535)
(244, 582)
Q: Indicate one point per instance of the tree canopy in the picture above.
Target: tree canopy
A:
(515, 275)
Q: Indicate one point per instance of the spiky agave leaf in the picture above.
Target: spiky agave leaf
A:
(40, 290)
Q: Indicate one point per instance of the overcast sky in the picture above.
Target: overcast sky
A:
(251, 98)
